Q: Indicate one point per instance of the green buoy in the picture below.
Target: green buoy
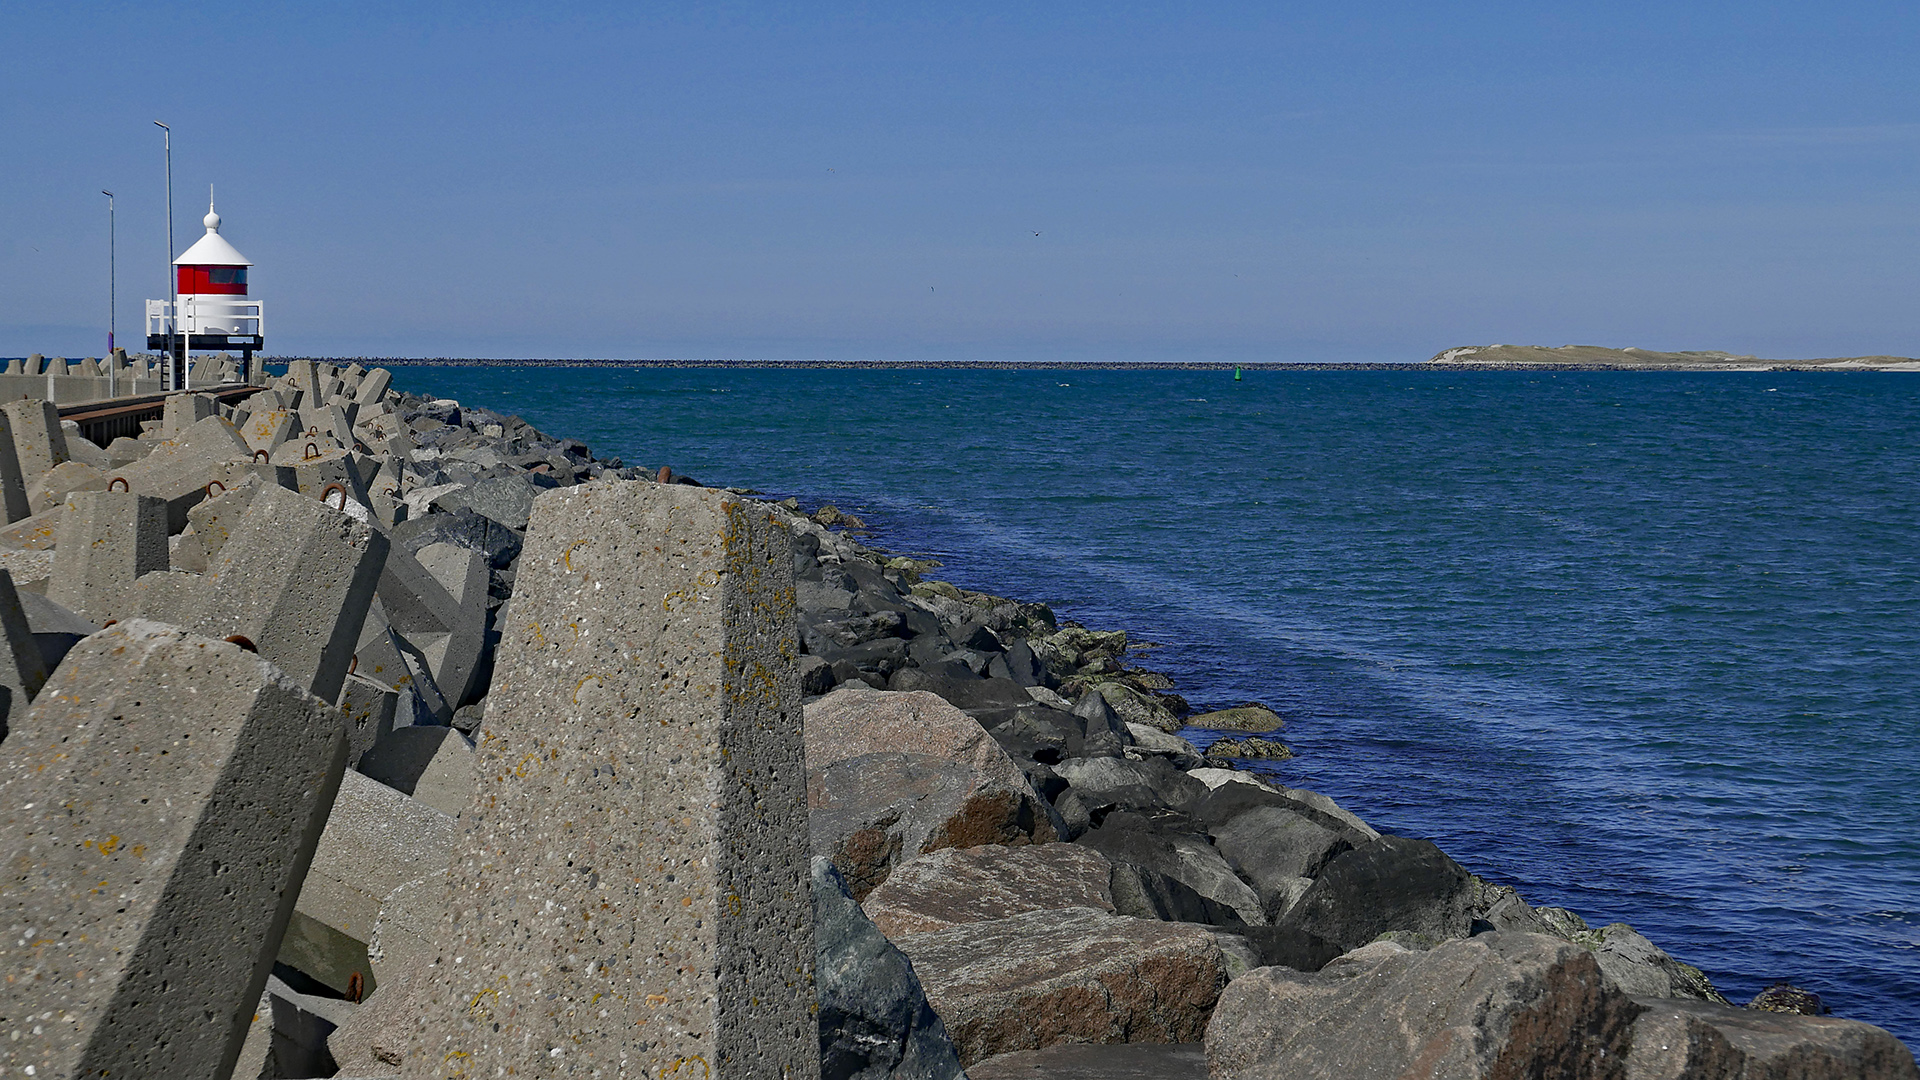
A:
(1236, 373)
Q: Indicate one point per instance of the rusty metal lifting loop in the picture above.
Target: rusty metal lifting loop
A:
(353, 664)
(122, 481)
(312, 451)
(243, 641)
(108, 623)
(211, 484)
(330, 489)
(260, 456)
(354, 985)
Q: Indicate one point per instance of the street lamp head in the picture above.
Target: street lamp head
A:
(107, 193)
(157, 123)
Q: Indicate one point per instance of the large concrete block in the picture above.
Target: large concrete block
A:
(295, 578)
(384, 655)
(158, 808)
(39, 442)
(50, 490)
(376, 840)
(13, 488)
(373, 386)
(370, 707)
(266, 429)
(179, 471)
(108, 539)
(630, 890)
(433, 764)
(23, 669)
(436, 599)
(182, 411)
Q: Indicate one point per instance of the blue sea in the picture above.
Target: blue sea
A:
(1644, 645)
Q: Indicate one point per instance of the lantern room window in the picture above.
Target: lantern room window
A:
(227, 275)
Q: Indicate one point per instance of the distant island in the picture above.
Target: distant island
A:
(1598, 356)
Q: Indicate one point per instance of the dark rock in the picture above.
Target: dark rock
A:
(1393, 883)
(1032, 731)
(816, 675)
(1149, 894)
(574, 448)
(464, 527)
(1784, 997)
(1129, 838)
(844, 671)
(1228, 800)
(883, 655)
(1289, 946)
(1495, 1006)
(506, 499)
(874, 1018)
(1023, 667)
(1098, 775)
(1253, 747)
(967, 691)
(468, 718)
(1252, 716)
(977, 638)
(1276, 850)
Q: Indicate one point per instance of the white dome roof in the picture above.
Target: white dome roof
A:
(212, 249)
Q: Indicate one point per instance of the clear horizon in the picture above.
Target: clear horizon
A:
(1224, 183)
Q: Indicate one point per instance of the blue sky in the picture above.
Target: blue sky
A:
(1372, 181)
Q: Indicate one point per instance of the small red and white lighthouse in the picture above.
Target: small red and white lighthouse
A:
(215, 311)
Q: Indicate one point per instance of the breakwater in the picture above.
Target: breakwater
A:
(1009, 767)
(1630, 644)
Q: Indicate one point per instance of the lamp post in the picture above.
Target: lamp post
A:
(173, 284)
(112, 266)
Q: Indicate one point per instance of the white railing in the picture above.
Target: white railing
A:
(202, 316)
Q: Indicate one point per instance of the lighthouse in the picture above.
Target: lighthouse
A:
(215, 311)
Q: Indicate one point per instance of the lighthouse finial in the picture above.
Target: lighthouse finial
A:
(212, 220)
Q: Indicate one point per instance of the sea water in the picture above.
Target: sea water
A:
(1644, 645)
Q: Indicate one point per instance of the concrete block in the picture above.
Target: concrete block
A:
(318, 464)
(37, 533)
(23, 670)
(433, 764)
(182, 411)
(13, 489)
(124, 451)
(631, 886)
(454, 656)
(50, 489)
(267, 430)
(39, 443)
(431, 616)
(373, 386)
(304, 375)
(384, 655)
(108, 539)
(370, 708)
(83, 449)
(192, 778)
(178, 471)
(295, 578)
(214, 520)
(56, 629)
(168, 596)
(376, 840)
